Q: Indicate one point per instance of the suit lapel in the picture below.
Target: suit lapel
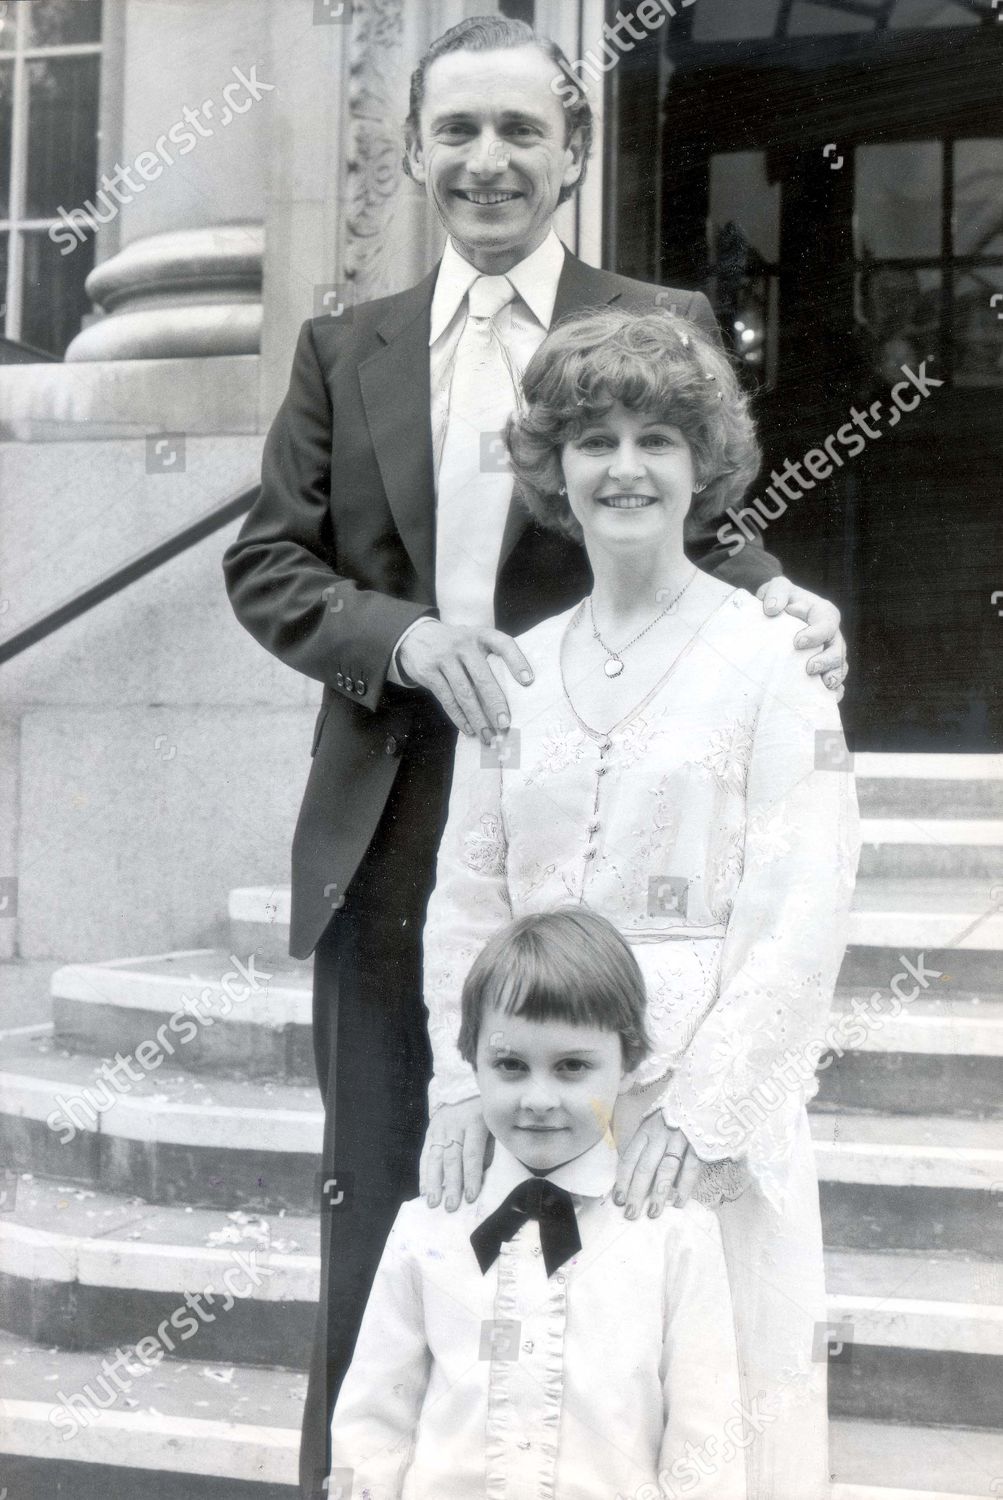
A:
(580, 286)
(395, 394)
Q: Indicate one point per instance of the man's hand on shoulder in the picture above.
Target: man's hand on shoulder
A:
(451, 662)
(822, 620)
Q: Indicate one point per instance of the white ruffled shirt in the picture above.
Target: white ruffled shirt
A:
(582, 1386)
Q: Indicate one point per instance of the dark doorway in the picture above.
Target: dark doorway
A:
(840, 197)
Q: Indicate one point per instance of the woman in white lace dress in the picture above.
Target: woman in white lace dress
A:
(673, 767)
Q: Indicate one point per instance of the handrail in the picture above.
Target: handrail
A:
(138, 567)
(14, 352)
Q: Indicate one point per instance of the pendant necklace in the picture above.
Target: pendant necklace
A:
(613, 665)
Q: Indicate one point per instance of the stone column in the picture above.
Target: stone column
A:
(304, 171)
(181, 200)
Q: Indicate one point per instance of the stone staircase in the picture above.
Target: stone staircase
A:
(172, 1214)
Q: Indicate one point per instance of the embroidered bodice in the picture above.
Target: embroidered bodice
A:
(716, 827)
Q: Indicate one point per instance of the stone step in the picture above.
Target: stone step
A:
(871, 1460)
(890, 916)
(963, 792)
(179, 1430)
(934, 915)
(932, 848)
(259, 920)
(934, 1024)
(82, 1269)
(957, 924)
(218, 1012)
(930, 1183)
(79, 1270)
(940, 1053)
(915, 1338)
(193, 1430)
(881, 1492)
(921, 1150)
(929, 786)
(213, 1142)
(172, 1137)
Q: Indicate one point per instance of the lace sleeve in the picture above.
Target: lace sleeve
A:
(469, 903)
(750, 1067)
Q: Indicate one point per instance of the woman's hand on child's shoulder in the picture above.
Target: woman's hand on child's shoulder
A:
(657, 1161)
(452, 1158)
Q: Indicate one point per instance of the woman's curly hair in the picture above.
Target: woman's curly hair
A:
(653, 362)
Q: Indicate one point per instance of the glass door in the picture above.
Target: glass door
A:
(850, 234)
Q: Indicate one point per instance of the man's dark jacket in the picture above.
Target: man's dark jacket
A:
(337, 555)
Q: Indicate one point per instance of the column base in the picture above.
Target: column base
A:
(187, 294)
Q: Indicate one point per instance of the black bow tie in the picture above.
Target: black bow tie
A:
(536, 1198)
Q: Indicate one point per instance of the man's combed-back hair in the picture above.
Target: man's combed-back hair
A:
(654, 362)
(569, 965)
(489, 34)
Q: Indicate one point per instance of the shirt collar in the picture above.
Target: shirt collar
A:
(590, 1175)
(535, 279)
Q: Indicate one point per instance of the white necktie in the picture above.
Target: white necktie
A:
(475, 481)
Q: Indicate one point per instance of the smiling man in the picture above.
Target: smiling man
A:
(388, 558)
(493, 154)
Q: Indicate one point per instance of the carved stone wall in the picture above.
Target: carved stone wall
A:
(391, 238)
(374, 181)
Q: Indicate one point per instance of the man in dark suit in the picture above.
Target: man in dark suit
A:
(359, 566)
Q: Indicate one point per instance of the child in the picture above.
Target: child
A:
(535, 1343)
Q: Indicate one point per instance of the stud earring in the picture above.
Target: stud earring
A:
(563, 490)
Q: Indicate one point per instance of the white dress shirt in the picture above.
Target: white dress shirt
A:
(522, 327)
(581, 1386)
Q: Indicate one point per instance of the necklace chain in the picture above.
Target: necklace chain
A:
(604, 734)
(614, 664)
